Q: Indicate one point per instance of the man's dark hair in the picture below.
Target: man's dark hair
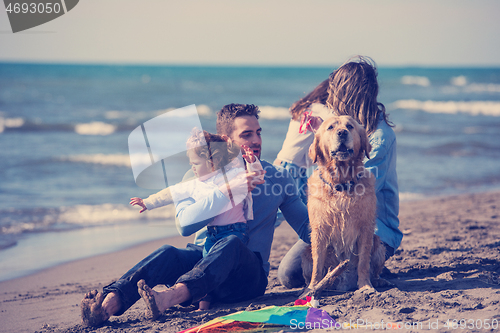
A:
(226, 116)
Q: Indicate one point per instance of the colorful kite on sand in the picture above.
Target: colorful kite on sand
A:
(272, 318)
(269, 317)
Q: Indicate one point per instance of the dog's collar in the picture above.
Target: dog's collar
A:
(342, 187)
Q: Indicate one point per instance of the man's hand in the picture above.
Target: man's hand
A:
(255, 178)
(243, 183)
(138, 202)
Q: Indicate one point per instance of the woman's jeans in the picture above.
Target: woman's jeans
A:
(290, 268)
(229, 273)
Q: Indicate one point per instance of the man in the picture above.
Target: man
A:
(231, 271)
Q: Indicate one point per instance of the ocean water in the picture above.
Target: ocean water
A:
(65, 173)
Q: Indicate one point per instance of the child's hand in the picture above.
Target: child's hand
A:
(138, 202)
(308, 122)
(249, 156)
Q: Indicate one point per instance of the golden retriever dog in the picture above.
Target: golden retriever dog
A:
(342, 208)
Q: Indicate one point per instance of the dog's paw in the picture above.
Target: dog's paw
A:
(367, 290)
(363, 294)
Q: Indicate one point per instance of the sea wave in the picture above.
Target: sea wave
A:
(102, 159)
(459, 81)
(487, 108)
(10, 123)
(204, 110)
(273, 112)
(119, 121)
(483, 87)
(124, 114)
(17, 221)
(416, 80)
(463, 82)
(95, 128)
(115, 121)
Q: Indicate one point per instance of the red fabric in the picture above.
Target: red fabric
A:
(302, 302)
(305, 122)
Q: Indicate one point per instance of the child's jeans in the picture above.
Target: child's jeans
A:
(218, 232)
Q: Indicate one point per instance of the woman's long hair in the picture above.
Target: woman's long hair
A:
(353, 91)
(350, 90)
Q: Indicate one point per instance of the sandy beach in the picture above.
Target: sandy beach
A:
(447, 269)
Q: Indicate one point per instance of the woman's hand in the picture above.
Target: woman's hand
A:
(138, 202)
(308, 122)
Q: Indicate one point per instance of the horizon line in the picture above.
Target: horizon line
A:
(229, 65)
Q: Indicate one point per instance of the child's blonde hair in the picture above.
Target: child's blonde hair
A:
(219, 149)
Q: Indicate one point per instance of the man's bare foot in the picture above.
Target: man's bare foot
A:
(91, 309)
(148, 295)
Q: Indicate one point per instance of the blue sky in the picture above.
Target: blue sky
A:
(257, 32)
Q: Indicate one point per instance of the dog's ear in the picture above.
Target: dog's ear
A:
(314, 150)
(365, 143)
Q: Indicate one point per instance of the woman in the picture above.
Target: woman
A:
(352, 90)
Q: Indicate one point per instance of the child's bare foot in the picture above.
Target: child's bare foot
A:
(148, 295)
(91, 309)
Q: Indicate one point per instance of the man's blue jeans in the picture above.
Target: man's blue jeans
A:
(229, 273)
